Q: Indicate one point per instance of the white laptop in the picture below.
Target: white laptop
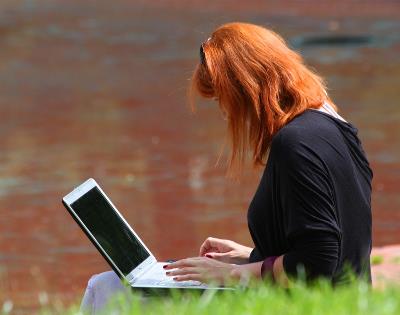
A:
(117, 241)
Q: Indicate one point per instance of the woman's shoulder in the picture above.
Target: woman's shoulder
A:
(312, 125)
(310, 132)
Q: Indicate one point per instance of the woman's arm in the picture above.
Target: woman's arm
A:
(279, 274)
(254, 271)
(210, 270)
(225, 250)
(247, 271)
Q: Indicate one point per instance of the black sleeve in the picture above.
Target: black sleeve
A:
(310, 220)
(255, 255)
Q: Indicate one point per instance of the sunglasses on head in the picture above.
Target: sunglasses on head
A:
(202, 54)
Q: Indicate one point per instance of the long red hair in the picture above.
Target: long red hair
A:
(260, 84)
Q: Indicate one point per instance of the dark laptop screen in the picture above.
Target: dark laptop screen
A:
(110, 231)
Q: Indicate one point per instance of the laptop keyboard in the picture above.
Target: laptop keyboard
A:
(156, 277)
(169, 283)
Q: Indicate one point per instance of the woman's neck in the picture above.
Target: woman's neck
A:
(327, 108)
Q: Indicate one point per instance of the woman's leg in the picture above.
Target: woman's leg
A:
(100, 289)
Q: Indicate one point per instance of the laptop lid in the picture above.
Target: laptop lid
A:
(108, 230)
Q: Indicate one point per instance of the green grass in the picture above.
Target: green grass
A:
(354, 299)
(396, 260)
(376, 260)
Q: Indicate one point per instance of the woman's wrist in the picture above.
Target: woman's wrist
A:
(236, 272)
(248, 251)
(246, 271)
(255, 270)
(245, 256)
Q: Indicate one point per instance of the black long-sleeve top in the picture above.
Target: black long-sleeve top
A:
(313, 202)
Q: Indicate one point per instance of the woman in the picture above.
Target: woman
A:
(311, 212)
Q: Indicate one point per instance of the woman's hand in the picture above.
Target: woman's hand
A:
(203, 269)
(225, 251)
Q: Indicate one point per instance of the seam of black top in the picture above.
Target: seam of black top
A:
(348, 124)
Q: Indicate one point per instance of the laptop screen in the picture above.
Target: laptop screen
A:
(110, 230)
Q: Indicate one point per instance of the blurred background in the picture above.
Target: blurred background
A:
(98, 89)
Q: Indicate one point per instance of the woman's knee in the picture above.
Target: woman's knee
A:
(101, 287)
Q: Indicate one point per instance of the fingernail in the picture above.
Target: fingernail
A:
(168, 273)
(208, 256)
(165, 266)
(176, 278)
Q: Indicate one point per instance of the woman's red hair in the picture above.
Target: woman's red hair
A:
(260, 84)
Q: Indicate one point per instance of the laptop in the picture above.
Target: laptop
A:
(118, 243)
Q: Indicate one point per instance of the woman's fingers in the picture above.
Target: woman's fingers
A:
(187, 262)
(205, 247)
(224, 257)
(186, 269)
(183, 271)
(201, 269)
(177, 264)
(194, 277)
(210, 244)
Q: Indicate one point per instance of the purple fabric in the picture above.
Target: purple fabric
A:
(100, 289)
(267, 267)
